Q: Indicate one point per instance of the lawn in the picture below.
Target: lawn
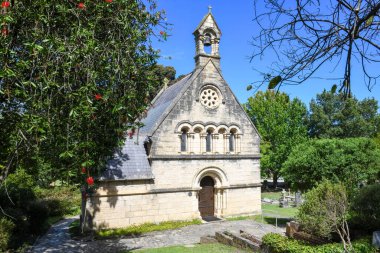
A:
(272, 214)
(197, 248)
(271, 195)
(276, 211)
(135, 229)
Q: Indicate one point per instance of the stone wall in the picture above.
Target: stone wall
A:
(179, 173)
(166, 140)
(122, 211)
(120, 207)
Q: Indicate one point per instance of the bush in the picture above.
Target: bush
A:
(17, 190)
(38, 214)
(351, 161)
(324, 210)
(6, 230)
(31, 206)
(366, 208)
(280, 244)
(61, 201)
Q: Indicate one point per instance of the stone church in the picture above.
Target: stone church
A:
(197, 155)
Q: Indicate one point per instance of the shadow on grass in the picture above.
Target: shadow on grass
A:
(129, 232)
(281, 222)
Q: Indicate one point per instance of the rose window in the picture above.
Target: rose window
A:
(209, 97)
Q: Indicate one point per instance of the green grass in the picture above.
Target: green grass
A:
(198, 248)
(53, 219)
(270, 213)
(271, 195)
(145, 228)
(74, 228)
(276, 211)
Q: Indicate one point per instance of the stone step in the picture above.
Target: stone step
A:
(242, 241)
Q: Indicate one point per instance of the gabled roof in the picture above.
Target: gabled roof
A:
(164, 102)
(204, 20)
(131, 162)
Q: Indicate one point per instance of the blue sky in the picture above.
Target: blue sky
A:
(235, 20)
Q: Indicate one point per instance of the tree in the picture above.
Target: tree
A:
(281, 124)
(163, 75)
(366, 207)
(325, 211)
(352, 161)
(308, 34)
(333, 116)
(72, 76)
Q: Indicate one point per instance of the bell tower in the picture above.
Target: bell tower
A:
(207, 37)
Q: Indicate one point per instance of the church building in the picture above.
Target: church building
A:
(196, 156)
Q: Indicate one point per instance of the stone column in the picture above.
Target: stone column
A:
(179, 145)
(224, 197)
(190, 142)
(203, 143)
(199, 45)
(238, 144)
(214, 143)
(227, 143)
(215, 46)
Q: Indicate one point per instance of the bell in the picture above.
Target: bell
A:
(207, 40)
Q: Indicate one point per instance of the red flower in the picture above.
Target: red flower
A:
(81, 6)
(108, 1)
(162, 32)
(83, 170)
(5, 4)
(4, 31)
(90, 181)
(98, 96)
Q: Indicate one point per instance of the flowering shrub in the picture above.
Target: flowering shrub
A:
(90, 181)
(58, 58)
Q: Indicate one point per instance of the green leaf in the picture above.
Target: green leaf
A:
(249, 87)
(369, 21)
(66, 154)
(274, 82)
(333, 89)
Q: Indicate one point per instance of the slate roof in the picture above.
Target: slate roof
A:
(131, 162)
(162, 104)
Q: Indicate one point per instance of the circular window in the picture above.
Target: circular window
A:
(209, 97)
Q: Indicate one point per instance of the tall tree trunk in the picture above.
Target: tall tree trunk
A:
(275, 178)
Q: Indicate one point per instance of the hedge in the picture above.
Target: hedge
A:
(279, 244)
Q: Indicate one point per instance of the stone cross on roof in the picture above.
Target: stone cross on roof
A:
(209, 8)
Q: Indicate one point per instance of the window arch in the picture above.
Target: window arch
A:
(209, 139)
(184, 133)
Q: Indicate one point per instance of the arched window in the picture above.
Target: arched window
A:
(232, 141)
(208, 140)
(184, 131)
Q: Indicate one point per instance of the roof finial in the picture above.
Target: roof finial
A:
(209, 9)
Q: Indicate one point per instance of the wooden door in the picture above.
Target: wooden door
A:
(206, 201)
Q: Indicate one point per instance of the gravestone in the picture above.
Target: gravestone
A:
(283, 201)
(376, 239)
(298, 199)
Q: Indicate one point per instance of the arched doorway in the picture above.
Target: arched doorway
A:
(206, 197)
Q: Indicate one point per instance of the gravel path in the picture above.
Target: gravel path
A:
(57, 239)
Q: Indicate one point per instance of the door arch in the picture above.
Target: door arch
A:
(206, 197)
